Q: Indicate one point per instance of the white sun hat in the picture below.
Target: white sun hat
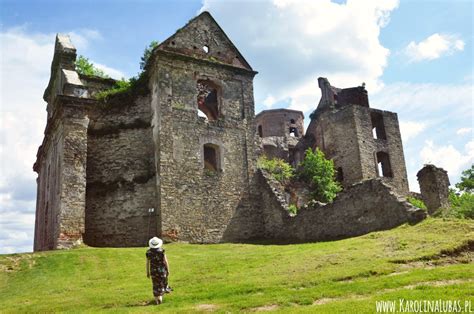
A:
(155, 243)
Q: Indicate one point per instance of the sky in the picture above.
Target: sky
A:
(415, 57)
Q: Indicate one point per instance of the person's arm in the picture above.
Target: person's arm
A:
(148, 267)
(167, 265)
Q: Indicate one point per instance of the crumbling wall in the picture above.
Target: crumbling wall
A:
(121, 174)
(434, 187)
(358, 138)
(198, 204)
(362, 208)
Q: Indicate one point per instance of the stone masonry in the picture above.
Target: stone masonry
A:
(175, 156)
(434, 187)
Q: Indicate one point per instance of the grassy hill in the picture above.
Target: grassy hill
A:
(429, 261)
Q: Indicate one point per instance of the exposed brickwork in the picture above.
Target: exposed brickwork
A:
(434, 187)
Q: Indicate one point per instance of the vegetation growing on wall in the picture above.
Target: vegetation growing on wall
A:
(123, 86)
(147, 54)
(279, 169)
(319, 173)
(85, 67)
(416, 202)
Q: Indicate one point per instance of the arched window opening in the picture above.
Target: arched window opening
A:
(378, 127)
(260, 131)
(339, 175)
(384, 168)
(207, 99)
(205, 48)
(293, 132)
(211, 157)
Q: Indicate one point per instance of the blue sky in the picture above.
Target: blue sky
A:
(415, 57)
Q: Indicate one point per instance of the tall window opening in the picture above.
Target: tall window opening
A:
(260, 131)
(293, 132)
(207, 99)
(378, 127)
(384, 168)
(211, 157)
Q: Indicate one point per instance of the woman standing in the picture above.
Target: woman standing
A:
(157, 267)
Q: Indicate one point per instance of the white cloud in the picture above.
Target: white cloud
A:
(448, 157)
(294, 42)
(425, 100)
(410, 129)
(113, 73)
(463, 131)
(434, 47)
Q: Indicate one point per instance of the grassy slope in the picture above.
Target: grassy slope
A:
(339, 276)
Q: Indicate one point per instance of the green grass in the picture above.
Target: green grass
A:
(413, 262)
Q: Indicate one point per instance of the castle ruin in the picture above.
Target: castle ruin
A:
(176, 156)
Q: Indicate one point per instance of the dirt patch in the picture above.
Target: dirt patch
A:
(463, 254)
(207, 307)
(324, 301)
(13, 263)
(265, 308)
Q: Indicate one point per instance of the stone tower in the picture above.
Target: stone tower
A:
(280, 131)
(203, 132)
(364, 143)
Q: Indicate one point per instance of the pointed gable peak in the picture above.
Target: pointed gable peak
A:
(203, 38)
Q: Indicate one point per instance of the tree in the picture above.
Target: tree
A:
(320, 174)
(84, 66)
(147, 54)
(467, 180)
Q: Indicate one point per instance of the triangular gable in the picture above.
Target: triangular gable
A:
(203, 38)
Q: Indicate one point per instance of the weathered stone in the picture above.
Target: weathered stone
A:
(434, 187)
(176, 155)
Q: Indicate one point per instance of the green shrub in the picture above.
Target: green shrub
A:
(279, 169)
(416, 202)
(84, 66)
(320, 174)
(147, 54)
(119, 87)
(462, 205)
(292, 209)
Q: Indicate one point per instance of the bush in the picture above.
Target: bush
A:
(84, 66)
(293, 209)
(462, 205)
(416, 202)
(119, 87)
(320, 174)
(279, 169)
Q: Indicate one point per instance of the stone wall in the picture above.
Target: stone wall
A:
(61, 167)
(362, 208)
(199, 204)
(434, 187)
(346, 136)
(121, 175)
(278, 122)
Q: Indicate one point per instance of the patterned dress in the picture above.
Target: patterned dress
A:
(158, 271)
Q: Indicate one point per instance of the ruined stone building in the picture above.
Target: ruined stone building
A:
(176, 155)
